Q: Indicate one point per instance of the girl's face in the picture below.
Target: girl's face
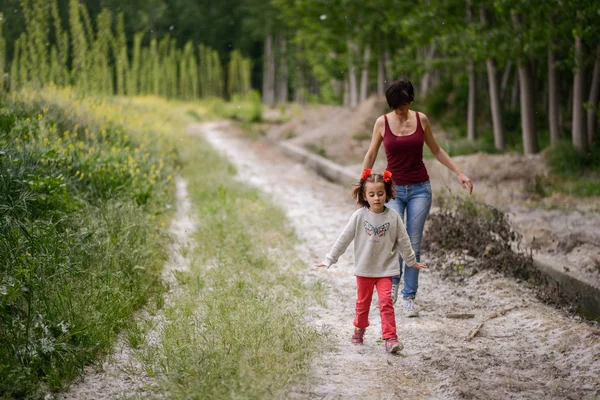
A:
(375, 195)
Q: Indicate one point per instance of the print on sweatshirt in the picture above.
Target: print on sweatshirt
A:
(376, 232)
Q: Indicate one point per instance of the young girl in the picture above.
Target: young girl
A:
(378, 234)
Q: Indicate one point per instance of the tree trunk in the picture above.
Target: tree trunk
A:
(514, 94)
(364, 78)
(282, 92)
(429, 54)
(494, 94)
(578, 127)
(353, 89)
(380, 73)
(299, 76)
(505, 78)
(530, 143)
(472, 108)
(592, 112)
(495, 105)
(347, 92)
(387, 66)
(352, 75)
(553, 100)
(269, 73)
(526, 90)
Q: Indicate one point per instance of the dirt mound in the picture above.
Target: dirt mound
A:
(338, 133)
(496, 168)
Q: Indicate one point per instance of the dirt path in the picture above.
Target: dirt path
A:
(532, 352)
(121, 374)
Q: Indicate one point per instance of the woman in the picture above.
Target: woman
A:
(403, 133)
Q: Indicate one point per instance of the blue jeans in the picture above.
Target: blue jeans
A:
(416, 201)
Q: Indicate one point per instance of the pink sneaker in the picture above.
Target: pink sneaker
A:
(358, 336)
(393, 346)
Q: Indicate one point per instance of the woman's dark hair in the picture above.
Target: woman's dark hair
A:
(359, 189)
(400, 93)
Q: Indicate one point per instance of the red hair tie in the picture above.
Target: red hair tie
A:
(387, 175)
(365, 174)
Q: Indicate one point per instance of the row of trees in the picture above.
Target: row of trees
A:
(542, 58)
(536, 63)
(98, 59)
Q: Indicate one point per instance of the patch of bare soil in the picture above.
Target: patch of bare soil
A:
(338, 133)
(530, 352)
(121, 374)
(563, 231)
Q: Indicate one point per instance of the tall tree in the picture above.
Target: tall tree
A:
(79, 45)
(269, 72)
(62, 47)
(283, 73)
(472, 102)
(2, 52)
(497, 120)
(578, 130)
(529, 132)
(592, 103)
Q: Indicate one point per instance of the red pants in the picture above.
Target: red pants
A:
(386, 306)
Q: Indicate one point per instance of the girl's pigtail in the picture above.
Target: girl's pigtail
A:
(365, 174)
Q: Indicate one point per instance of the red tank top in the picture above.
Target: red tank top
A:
(405, 155)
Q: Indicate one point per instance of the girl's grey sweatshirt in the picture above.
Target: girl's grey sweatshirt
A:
(378, 238)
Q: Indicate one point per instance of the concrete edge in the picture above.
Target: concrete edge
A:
(324, 167)
(585, 296)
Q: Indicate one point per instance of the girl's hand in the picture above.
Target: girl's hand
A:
(465, 182)
(320, 265)
(419, 265)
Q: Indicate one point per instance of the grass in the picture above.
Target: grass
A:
(238, 328)
(83, 205)
(316, 149)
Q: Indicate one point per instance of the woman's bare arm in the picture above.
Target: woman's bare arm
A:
(376, 140)
(443, 157)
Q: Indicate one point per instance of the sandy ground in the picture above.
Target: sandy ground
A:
(532, 352)
(121, 374)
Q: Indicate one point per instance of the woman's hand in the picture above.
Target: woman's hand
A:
(465, 182)
(419, 265)
(320, 265)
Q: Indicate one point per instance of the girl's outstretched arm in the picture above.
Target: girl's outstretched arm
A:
(342, 242)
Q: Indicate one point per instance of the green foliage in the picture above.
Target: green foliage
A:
(238, 78)
(80, 244)
(120, 54)
(573, 172)
(60, 64)
(564, 160)
(244, 108)
(79, 45)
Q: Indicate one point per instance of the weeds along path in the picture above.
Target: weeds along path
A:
(531, 352)
(121, 375)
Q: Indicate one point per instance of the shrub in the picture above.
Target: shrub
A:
(80, 244)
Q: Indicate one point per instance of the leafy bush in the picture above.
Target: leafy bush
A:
(246, 108)
(79, 239)
(564, 160)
